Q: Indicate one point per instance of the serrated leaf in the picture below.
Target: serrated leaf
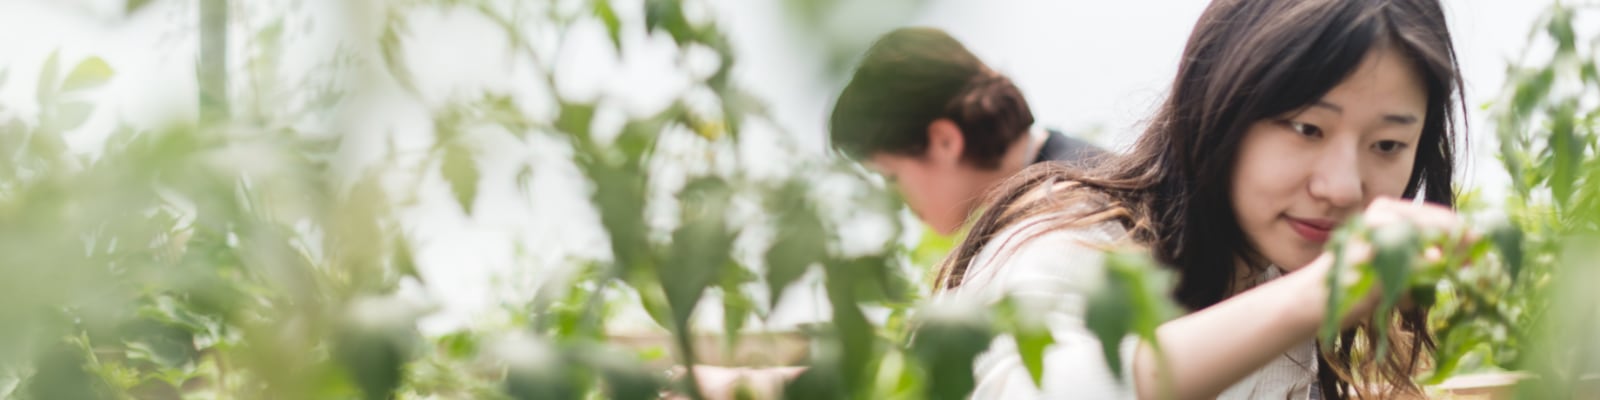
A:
(88, 74)
(461, 171)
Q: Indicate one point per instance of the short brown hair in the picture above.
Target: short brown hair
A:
(913, 76)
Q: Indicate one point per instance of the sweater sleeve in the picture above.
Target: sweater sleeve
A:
(1050, 275)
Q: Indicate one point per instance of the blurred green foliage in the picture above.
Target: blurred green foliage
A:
(235, 258)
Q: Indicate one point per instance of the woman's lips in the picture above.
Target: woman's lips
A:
(1313, 230)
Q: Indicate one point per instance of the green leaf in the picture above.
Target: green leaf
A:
(461, 171)
(49, 74)
(619, 195)
(1508, 239)
(625, 377)
(373, 343)
(71, 115)
(90, 73)
(1560, 29)
(537, 370)
(855, 334)
(1032, 339)
(575, 119)
(1396, 248)
(133, 6)
(1109, 315)
(1336, 295)
(948, 338)
(800, 243)
(59, 374)
(1132, 299)
(404, 262)
(608, 16)
(700, 247)
(820, 381)
(459, 345)
(668, 15)
(736, 305)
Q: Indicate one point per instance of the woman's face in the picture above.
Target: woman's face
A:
(1300, 174)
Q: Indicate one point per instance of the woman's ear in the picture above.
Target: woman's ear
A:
(945, 142)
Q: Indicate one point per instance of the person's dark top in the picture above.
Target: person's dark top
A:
(1062, 148)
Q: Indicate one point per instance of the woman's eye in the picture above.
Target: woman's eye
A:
(1305, 129)
(1389, 146)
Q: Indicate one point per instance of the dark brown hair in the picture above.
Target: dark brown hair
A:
(1248, 61)
(913, 76)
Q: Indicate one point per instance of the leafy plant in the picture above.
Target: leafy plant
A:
(240, 256)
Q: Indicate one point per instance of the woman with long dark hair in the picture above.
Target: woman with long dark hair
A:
(1286, 118)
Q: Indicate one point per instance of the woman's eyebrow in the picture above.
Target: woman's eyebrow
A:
(1400, 119)
(1396, 119)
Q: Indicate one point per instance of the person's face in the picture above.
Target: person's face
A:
(1299, 175)
(937, 185)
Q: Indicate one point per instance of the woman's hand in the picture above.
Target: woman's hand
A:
(1385, 213)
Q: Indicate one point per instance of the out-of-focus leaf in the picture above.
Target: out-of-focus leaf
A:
(536, 370)
(70, 115)
(1455, 341)
(700, 246)
(133, 6)
(619, 195)
(608, 16)
(575, 119)
(820, 381)
(948, 338)
(737, 307)
(459, 345)
(59, 374)
(404, 262)
(88, 74)
(48, 79)
(1110, 316)
(625, 377)
(461, 171)
(167, 345)
(801, 240)
(1032, 337)
(374, 344)
(668, 15)
(1132, 300)
(1532, 90)
(1508, 239)
(1396, 248)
